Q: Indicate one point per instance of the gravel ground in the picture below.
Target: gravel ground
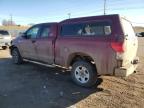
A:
(33, 86)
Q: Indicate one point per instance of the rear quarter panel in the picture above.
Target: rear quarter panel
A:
(98, 49)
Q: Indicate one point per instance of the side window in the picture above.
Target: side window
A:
(97, 29)
(86, 29)
(32, 33)
(71, 29)
(107, 29)
(92, 29)
(45, 32)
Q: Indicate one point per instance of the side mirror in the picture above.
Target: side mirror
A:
(23, 35)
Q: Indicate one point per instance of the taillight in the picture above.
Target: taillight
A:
(117, 46)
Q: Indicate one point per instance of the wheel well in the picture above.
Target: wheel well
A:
(84, 58)
(11, 48)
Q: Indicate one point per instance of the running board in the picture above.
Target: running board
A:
(39, 63)
(44, 64)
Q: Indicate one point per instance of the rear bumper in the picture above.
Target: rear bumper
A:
(127, 70)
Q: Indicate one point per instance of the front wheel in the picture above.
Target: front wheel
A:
(83, 74)
(16, 57)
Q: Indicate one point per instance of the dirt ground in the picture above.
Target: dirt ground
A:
(33, 86)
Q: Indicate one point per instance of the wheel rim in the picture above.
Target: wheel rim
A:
(15, 56)
(82, 74)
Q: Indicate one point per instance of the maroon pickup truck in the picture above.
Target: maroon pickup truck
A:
(88, 46)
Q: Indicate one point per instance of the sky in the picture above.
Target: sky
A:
(25, 12)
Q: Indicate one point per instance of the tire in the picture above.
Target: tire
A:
(83, 73)
(16, 57)
(4, 47)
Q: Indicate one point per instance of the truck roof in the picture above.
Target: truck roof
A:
(47, 23)
(89, 18)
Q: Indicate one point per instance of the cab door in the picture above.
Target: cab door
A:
(45, 44)
(27, 43)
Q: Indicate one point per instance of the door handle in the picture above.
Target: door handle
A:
(33, 41)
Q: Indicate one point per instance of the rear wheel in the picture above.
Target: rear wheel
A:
(16, 57)
(83, 73)
(4, 47)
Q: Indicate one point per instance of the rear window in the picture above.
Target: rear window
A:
(4, 33)
(86, 29)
